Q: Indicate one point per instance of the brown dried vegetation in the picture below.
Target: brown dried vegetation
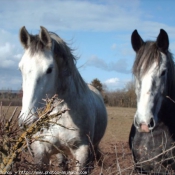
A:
(16, 155)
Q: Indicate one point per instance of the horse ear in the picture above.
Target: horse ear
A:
(45, 37)
(24, 37)
(136, 41)
(162, 41)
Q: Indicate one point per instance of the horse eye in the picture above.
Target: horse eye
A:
(163, 73)
(49, 70)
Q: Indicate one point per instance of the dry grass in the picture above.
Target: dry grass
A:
(6, 111)
(117, 155)
(119, 124)
(117, 159)
(114, 152)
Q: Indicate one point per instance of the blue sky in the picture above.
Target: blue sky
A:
(98, 30)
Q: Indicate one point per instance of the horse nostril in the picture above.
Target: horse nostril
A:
(152, 123)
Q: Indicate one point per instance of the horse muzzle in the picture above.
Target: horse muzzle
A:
(143, 126)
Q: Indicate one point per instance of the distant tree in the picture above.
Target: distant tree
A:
(97, 84)
(130, 86)
(20, 93)
(105, 98)
(130, 93)
(105, 88)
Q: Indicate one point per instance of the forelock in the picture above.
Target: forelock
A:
(36, 45)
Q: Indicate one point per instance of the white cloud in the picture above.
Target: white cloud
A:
(112, 81)
(10, 49)
(74, 15)
(114, 46)
(120, 65)
(18, 56)
(5, 49)
(116, 83)
(96, 62)
(10, 79)
(8, 55)
(78, 15)
(7, 63)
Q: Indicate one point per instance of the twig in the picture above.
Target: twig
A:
(170, 99)
(7, 110)
(73, 129)
(123, 152)
(1, 109)
(22, 141)
(13, 114)
(28, 146)
(117, 162)
(145, 161)
(92, 147)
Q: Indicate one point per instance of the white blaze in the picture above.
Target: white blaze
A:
(145, 102)
(149, 95)
(36, 82)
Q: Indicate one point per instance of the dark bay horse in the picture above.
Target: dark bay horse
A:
(152, 134)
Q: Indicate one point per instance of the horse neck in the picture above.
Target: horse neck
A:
(72, 85)
(167, 110)
(171, 84)
(170, 77)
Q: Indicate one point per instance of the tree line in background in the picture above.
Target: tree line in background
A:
(122, 98)
(9, 97)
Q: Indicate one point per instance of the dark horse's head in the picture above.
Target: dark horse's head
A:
(154, 74)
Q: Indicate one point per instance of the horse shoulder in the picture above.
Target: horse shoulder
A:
(95, 91)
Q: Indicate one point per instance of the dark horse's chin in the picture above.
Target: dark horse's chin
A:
(147, 148)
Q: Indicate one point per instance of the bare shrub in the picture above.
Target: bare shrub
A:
(13, 140)
(16, 155)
